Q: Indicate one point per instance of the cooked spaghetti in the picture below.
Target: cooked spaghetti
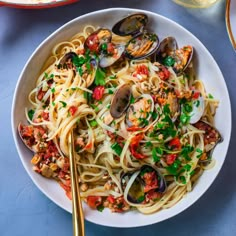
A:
(145, 153)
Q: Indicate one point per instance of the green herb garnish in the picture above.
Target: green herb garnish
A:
(63, 103)
(93, 123)
(117, 148)
(168, 61)
(100, 77)
(31, 114)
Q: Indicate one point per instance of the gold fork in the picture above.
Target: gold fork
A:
(77, 210)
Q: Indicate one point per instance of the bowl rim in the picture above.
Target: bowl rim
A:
(131, 10)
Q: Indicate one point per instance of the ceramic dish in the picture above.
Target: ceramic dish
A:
(207, 70)
(230, 19)
(35, 3)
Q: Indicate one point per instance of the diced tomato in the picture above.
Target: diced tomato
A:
(196, 94)
(73, 110)
(170, 158)
(164, 73)
(45, 115)
(152, 195)
(151, 181)
(110, 48)
(94, 201)
(67, 188)
(89, 145)
(142, 69)
(80, 52)
(69, 195)
(134, 128)
(93, 43)
(39, 132)
(175, 144)
(66, 165)
(111, 199)
(98, 92)
(26, 131)
(52, 147)
(134, 146)
(40, 94)
(61, 174)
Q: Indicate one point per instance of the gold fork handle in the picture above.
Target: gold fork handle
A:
(77, 210)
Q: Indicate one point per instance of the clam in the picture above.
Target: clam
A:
(194, 109)
(142, 46)
(130, 25)
(97, 38)
(174, 106)
(120, 101)
(169, 54)
(68, 56)
(28, 140)
(198, 106)
(140, 184)
(211, 136)
(139, 112)
(108, 60)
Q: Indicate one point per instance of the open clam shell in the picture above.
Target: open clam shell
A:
(169, 54)
(106, 60)
(130, 25)
(211, 136)
(142, 46)
(68, 56)
(120, 101)
(97, 38)
(194, 109)
(139, 112)
(28, 139)
(138, 184)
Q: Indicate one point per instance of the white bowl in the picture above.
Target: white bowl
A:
(207, 70)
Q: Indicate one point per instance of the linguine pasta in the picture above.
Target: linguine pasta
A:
(78, 95)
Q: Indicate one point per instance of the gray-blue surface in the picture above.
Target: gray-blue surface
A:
(24, 210)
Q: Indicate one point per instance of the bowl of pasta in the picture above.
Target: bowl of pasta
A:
(145, 108)
(35, 3)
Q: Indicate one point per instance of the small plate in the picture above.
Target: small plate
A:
(35, 3)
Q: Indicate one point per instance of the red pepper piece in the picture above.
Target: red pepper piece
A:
(98, 92)
(134, 146)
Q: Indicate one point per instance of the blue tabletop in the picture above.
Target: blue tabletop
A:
(24, 210)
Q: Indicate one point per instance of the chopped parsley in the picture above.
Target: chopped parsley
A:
(100, 77)
(157, 152)
(210, 96)
(31, 114)
(93, 123)
(63, 103)
(168, 61)
(100, 208)
(186, 150)
(117, 148)
(200, 152)
(173, 168)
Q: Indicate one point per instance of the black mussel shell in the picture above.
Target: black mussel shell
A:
(130, 25)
